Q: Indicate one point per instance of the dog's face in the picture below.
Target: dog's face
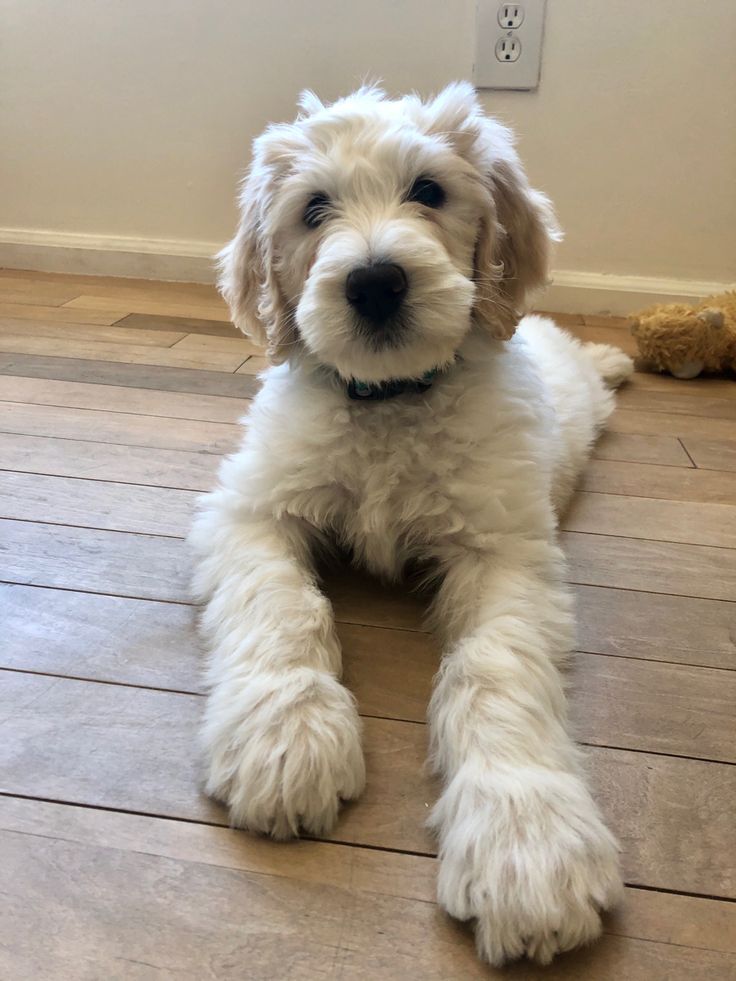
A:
(376, 233)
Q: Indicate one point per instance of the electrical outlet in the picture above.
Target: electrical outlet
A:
(509, 44)
(508, 48)
(510, 15)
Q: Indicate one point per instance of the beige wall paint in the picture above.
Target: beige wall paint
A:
(133, 119)
(633, 133)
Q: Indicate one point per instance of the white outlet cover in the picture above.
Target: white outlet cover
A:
(508, 48)
(523, 73)
(511, 15)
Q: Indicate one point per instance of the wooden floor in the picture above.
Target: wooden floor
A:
(117, 400)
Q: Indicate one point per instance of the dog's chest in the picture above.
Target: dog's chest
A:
(389, 481)
(403, 478)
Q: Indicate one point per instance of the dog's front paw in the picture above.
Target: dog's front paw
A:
(284, 750)
(526, 855)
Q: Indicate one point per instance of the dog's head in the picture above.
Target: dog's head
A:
(376, 233)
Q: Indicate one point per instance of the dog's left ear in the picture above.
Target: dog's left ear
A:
(518, 227)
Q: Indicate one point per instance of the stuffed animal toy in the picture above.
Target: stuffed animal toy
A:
(685, 340)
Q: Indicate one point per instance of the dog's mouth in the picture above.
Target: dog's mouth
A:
(387, 334)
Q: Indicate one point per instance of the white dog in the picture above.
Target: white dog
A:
(384, 255)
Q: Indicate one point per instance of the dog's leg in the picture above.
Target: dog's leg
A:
(281, 734)
(522, 845)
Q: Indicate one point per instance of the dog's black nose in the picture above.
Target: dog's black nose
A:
(377, 291)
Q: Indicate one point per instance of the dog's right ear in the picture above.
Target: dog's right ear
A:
(248, 275)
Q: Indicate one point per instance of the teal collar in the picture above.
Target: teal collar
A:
(361, 391)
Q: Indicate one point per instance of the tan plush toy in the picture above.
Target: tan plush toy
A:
(686, 340)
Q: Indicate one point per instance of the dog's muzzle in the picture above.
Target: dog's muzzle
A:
(376, 292)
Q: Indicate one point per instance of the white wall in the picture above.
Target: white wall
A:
(131, 119)
(633, 133)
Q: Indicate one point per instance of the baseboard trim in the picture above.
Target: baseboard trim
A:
(570, 291)
(95, 255)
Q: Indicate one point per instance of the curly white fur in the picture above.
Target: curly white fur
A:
(468, 477)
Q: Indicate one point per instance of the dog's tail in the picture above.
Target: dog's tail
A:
(612, 364)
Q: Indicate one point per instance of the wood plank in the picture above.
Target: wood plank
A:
(114, 937)
(673, 815)
(95, 561)
(37, 552)
(62, 315)
(711, 387)
(661, 628)
(96, 504)
(144, 290)
(313, 910)
(635, 448)
(108, 285)
(359, 598)
(617, 701)
(75, 370)
(712, 454)
(17, 290)
(656, 567)
(660, 808)
(664, 424)
(154, 644)
(664, 483)
(124, 303)
(117, 398)
(254, 365)
(16, 693)
(11, 328)
(100, 638)
(644, 915)
(148, 567)
(384, 873)
(607, 320)
(654, 519)
(135, 642)
(167, 293)
(662, 708)
(199, 357)
(604, 333)
(189, 325)
(676, 919)
(117, 921)
(237, 344)
(677, 402)
(562, 319)
(390, 672)
(118, 427)
(109, 461)
(109, 638)
(130, 375)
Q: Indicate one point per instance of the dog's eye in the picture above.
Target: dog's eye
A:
(316, 210)
(427, 192)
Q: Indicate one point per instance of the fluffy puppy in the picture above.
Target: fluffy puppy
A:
(384, 256)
